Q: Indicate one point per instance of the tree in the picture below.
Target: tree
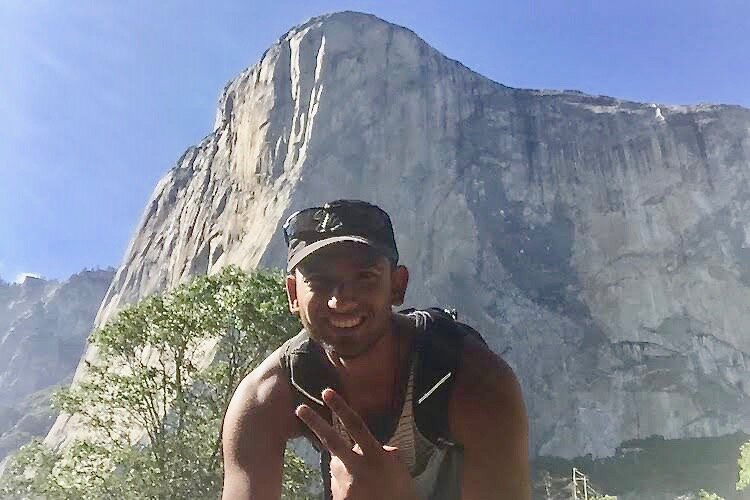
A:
(743, 464)
(153, 401)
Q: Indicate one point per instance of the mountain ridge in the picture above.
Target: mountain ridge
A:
(602, 240)
(44, 325)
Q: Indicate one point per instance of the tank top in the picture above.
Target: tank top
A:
(423, 458)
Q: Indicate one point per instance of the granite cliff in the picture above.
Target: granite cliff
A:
(43, 329)
(602, 245)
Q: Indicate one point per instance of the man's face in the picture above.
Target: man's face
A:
(343, 295)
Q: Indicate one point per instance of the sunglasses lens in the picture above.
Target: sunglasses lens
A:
(350, 218)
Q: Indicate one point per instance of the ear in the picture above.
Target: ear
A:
(291, 293)
(399, 282)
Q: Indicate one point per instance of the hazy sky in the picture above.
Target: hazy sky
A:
(98, 99)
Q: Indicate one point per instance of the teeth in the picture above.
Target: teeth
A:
(346, 323)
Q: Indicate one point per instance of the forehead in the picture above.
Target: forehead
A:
(341, 256)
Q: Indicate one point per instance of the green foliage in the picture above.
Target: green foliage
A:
(656, 465)
(297, 478)
(151, 401)
(743, 464)
(706, 495)
(27, 472)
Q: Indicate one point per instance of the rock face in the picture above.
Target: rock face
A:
(603, 245)
(43, 330)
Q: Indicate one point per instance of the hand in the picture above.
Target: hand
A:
(366, 471)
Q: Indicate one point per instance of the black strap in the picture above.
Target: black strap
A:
(325, 474)
(308, 375)
(440, 351)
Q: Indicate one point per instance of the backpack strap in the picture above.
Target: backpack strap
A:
(307, 373)
(439, 348)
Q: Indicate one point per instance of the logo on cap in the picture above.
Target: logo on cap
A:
(327, 221)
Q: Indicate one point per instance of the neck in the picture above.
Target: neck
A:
(371, 383)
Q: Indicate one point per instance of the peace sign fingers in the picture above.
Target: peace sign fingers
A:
(368, 470)
(326, 434)
(353, 423)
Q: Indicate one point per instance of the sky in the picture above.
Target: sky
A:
(98, 99)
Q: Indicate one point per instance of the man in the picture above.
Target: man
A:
(352, 382)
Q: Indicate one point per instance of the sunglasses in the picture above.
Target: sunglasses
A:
(350, 217)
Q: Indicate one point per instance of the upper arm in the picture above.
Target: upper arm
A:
(488, 418)
(258, 422)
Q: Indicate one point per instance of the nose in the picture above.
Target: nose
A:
(341, 298)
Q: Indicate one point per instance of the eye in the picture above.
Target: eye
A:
(318, 282)
(367, 275)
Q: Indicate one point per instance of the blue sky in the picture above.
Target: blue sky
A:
(98, 99)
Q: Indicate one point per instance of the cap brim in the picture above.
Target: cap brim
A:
(314, 247)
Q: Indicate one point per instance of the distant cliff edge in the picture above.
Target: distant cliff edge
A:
(43, 329)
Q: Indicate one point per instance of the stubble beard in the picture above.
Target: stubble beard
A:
(372, 337)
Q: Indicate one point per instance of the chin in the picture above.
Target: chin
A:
(350, 344)
(350, 351)
(347, 343)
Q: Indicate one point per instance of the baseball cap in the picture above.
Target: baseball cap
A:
(307, 231)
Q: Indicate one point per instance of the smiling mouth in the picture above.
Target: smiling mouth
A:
(346, 323)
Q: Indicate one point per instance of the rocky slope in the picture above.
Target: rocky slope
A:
(43, 330)
(603, 245)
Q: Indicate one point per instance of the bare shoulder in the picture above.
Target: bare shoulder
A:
(482, 374)
(258, 422)
(264, 397)
(488, 418)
